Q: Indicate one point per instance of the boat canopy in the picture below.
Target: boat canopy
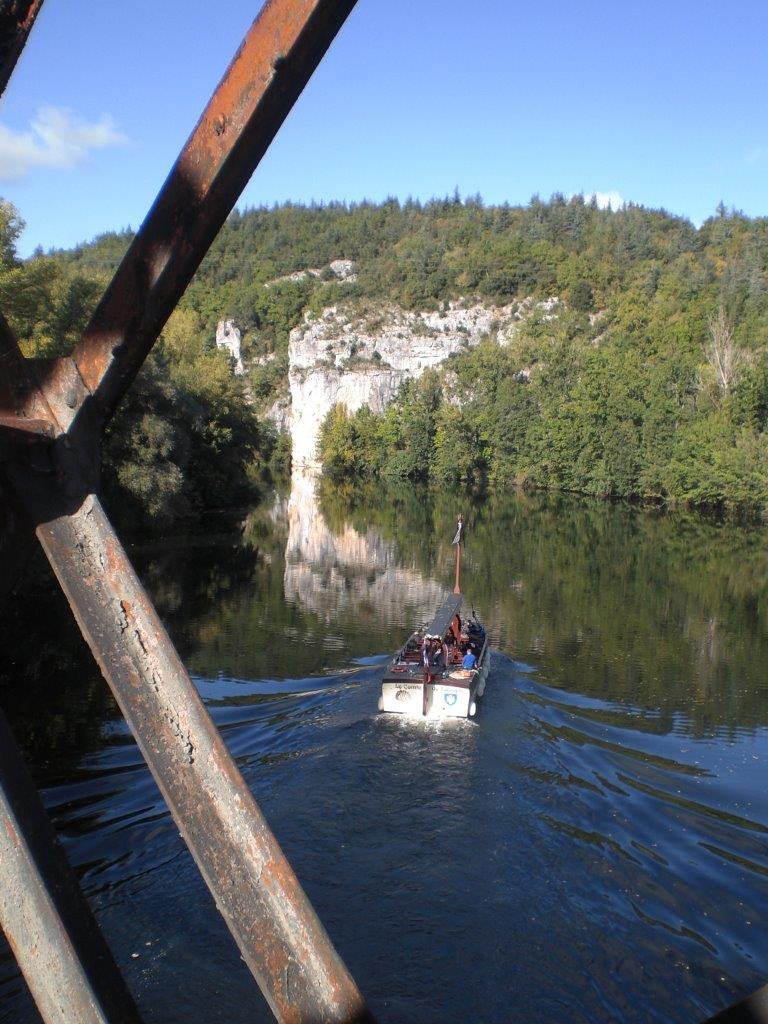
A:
(441, 623)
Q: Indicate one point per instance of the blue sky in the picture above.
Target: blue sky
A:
(659, 103)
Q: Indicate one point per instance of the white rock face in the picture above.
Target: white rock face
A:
(228, 337)
(279, 413)
(344, 270)
(342, 357)
(314, 394)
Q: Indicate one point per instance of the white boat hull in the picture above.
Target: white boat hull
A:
(452, 695)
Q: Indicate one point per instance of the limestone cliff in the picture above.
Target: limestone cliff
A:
(228, 337)
(344, 356)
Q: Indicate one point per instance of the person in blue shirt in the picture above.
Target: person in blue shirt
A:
(469, 659)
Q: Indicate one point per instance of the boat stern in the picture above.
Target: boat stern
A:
(439, 699)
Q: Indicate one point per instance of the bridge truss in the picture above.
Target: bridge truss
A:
(52, 417)
(53, 414)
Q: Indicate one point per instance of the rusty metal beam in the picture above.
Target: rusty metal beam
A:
(279, 935)
(279, 54)
(255, 889)
(752, 1010)
(48, 924)
(16, 20)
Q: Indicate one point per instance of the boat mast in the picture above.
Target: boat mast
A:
(457, 542)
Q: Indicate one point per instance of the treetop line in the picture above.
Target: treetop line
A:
(650, 383)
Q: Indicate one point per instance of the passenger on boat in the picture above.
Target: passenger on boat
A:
(426, 650)
(455, 632)
(428, 657)
(470, 658)
(434, 654)
(442, 654)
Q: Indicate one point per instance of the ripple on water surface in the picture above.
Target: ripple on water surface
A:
(558, 856)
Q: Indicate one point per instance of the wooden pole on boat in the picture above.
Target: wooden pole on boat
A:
(457, 542)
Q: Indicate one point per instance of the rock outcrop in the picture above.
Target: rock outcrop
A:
(228, 337)
(341, 270)
(345, 357)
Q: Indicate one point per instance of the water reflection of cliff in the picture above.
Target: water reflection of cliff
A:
(343, 573)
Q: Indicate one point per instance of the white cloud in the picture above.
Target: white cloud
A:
(56, 139)
(605, 200)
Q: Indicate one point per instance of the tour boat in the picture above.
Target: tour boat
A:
(441, 670)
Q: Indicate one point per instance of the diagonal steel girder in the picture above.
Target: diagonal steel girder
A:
(278, 933)
(49, 925)
(16, 20)
(275, 927)
(264, 80)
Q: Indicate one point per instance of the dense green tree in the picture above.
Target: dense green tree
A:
(625, 389)
(185, 437)
(338, 445)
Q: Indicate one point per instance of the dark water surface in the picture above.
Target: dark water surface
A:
(592, 847)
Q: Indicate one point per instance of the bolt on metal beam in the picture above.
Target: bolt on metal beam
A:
(49, 926)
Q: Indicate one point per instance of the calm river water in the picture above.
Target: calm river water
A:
(592, 847)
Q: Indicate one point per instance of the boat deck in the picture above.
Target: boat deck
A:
(426, 678)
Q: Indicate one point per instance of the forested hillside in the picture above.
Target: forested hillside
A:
(650, 380)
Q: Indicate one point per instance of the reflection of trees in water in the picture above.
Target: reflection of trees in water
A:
(663, 609)
(50, 687)
(709, 659)
(660, 610)
(322, 596)
(185, 574)
(657, 610)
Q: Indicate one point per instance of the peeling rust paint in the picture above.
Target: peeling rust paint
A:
(47, 922)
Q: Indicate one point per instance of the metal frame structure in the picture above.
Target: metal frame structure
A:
(52, 417)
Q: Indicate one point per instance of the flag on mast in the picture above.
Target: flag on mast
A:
(459, 530)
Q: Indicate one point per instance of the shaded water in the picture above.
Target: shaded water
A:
(593, 846)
